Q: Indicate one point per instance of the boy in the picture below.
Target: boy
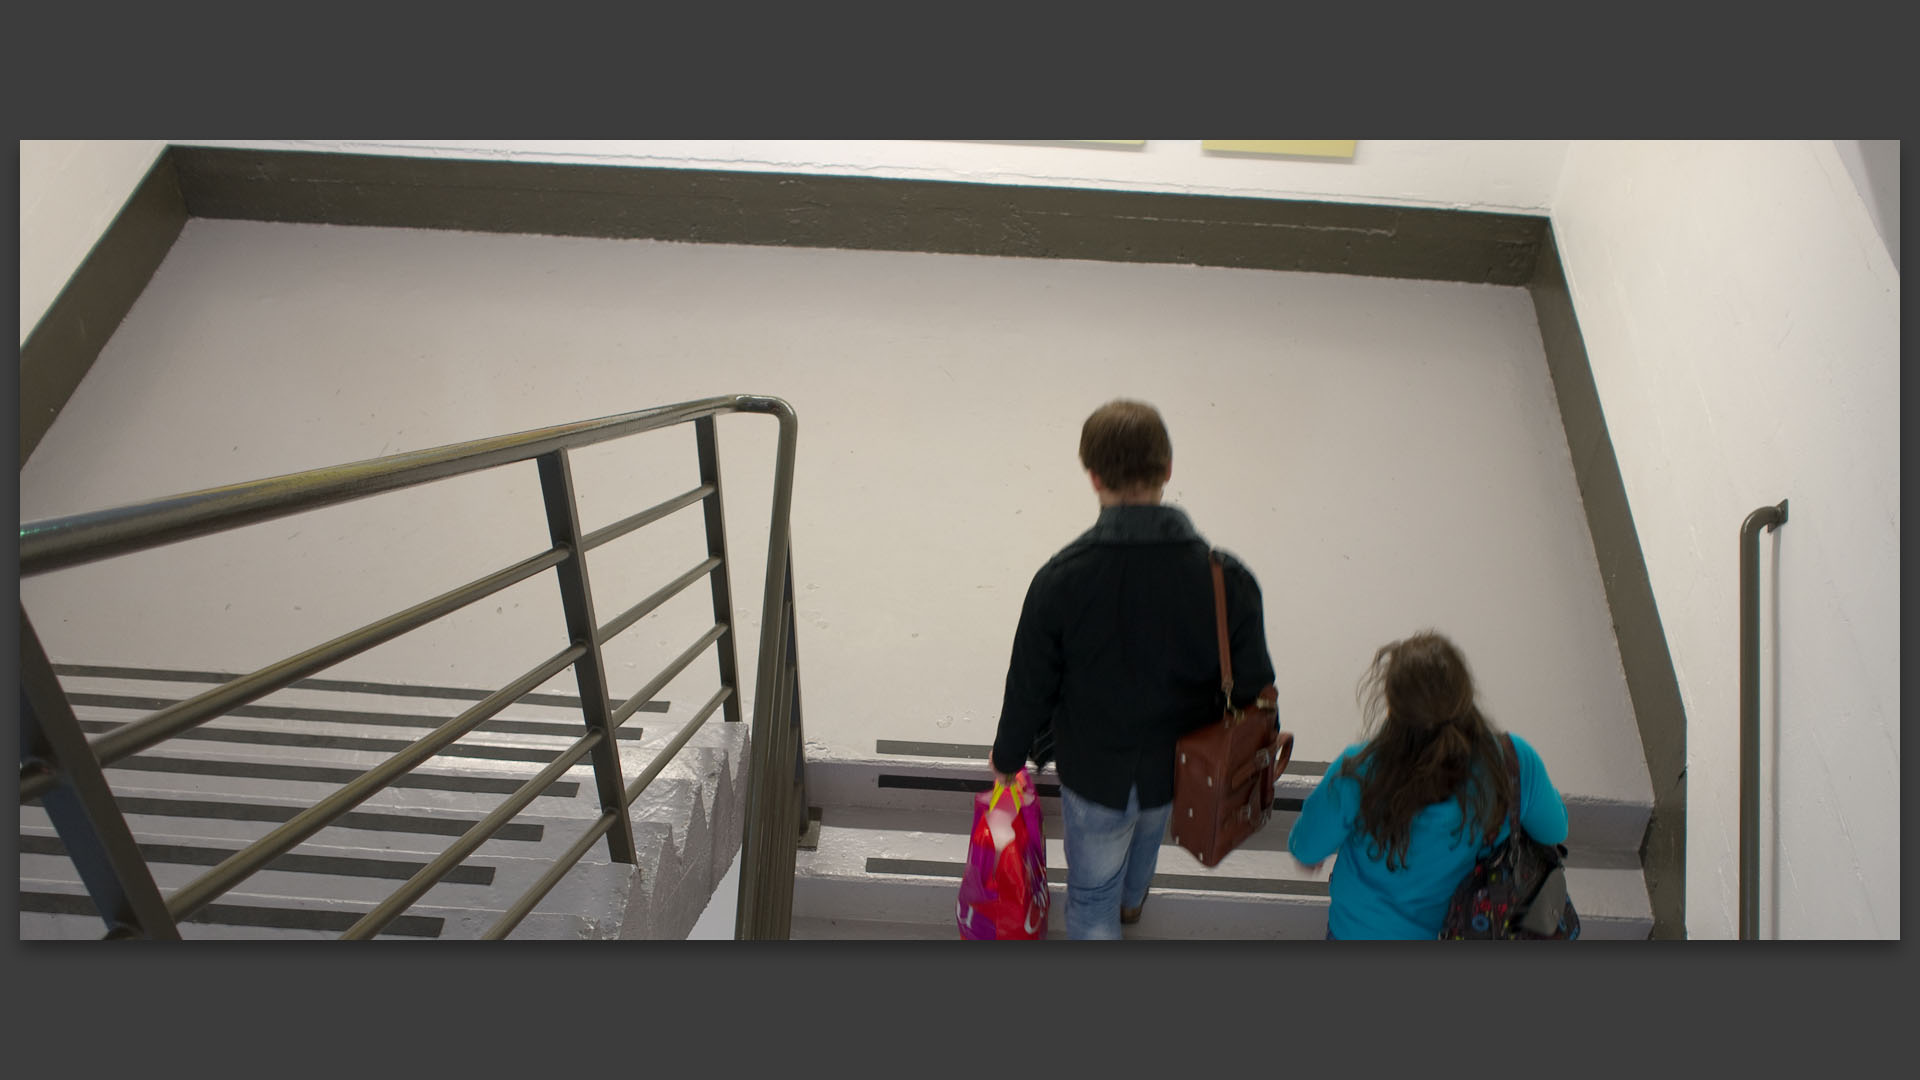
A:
(1117, 653)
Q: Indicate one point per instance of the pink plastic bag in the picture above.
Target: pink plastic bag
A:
(1003, 894)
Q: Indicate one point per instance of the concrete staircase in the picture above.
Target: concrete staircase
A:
(893, 838)
(195, 799)
(886, 863)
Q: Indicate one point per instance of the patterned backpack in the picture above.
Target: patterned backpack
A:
(1517, 891)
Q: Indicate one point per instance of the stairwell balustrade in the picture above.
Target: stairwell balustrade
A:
(64, 770)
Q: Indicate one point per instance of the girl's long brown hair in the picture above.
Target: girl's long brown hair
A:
(1432, 744)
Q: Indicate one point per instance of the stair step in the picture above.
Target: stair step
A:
(1608, 832)
(596, 889)
(805, 928)
(232, 754)
(212, 790)
(152, 813)
(865, 879)
(396, 823)
(59, 910)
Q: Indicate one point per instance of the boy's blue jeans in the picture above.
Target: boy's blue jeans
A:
(1111, 855)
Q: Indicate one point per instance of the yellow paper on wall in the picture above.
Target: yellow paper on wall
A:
(1328, 148)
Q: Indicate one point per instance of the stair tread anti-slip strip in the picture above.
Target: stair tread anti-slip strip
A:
(458, 749)
(290, 863)
(220, 678)
(971, 752)
(256, 770)
(221, 810)
(364, 717)
(1057, 875)
(1045, 791)
(421, 825)
(249, 915)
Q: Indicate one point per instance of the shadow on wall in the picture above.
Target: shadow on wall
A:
(1875, 166)
(717, 922)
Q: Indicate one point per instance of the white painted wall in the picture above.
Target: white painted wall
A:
(1742, 316)
(70, 191)
(1385, 454)
(1495, 175)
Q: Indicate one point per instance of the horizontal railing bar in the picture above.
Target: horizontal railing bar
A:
(666, 592)
(196, 710)
(660, 681)
(560, 868)
(429, 875)
(54, 543)
(674, 744)
(249, 859)
(645, 517)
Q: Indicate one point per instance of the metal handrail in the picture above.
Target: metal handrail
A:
(1769, 518)
(90, 537)
(63, 769)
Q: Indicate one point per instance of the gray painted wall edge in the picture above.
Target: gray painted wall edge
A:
(1658, 709)
(68, 338)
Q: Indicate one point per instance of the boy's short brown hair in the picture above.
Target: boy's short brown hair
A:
(1125, 444)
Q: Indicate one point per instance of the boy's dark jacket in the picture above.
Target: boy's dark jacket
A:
(1116, 655)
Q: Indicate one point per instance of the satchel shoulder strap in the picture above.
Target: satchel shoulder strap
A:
(1220, 623)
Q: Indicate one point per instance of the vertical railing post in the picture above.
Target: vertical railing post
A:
(576, 599)
(81, 805)
(758, 913)
(795, 817)
(721, 577)
(796, 729)
(785, 782)
(766, 833)
(1769, 518)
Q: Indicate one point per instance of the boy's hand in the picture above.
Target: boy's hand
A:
(1003, 779)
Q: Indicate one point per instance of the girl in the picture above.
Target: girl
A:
(1409, 809)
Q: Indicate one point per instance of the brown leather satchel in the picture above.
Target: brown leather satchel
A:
(1224, 773)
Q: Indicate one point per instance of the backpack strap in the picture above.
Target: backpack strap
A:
(1513, 773)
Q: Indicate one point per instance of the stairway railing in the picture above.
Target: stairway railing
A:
(1768, 518)
(64, 769)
